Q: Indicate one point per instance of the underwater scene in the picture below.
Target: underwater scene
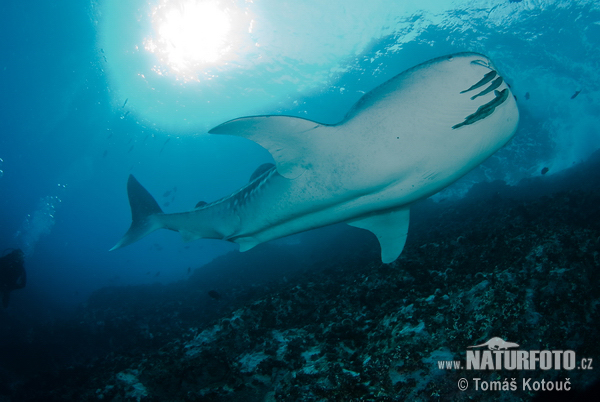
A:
(272, 200)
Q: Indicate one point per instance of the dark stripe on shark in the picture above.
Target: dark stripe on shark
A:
(485, 110)
(486, 78)
(494, 85)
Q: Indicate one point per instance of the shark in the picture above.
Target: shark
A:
(403, 141)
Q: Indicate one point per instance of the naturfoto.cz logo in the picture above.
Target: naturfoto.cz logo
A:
(498, 354)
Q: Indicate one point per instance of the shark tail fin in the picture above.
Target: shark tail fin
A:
(144, 214)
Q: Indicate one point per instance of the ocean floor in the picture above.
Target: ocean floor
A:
(325, 320)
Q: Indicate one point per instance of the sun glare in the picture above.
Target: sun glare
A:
(189, 34)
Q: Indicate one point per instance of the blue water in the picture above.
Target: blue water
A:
(84, 103)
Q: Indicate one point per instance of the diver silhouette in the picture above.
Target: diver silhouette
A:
(12, 274)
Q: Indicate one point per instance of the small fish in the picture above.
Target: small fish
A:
(189, 270)
(105, 153)
(157, 274)
(526, 95)
(214, 294)
(484, 110)
(167, 193)
(125, 102)
(495, 84)
(131, 149)
(126, 113)
(545, 170)
(165, 144)
(486, 78)
(166, 204)
(575, 94)
(200, 204)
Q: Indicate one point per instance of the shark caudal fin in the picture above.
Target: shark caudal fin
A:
(144, 210)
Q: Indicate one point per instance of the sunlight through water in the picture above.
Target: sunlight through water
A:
(185, 66)
(189, 34)
(188, 65)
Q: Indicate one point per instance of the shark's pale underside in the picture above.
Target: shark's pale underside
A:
(401, 142)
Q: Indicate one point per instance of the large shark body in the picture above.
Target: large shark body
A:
(403, 141)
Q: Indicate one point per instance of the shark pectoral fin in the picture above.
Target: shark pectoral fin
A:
(287, 138)
(187, 236)
(246, 243)
(391, 229)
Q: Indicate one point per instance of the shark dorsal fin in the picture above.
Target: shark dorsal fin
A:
(391, 229)
(260, 171)
(287, 138)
